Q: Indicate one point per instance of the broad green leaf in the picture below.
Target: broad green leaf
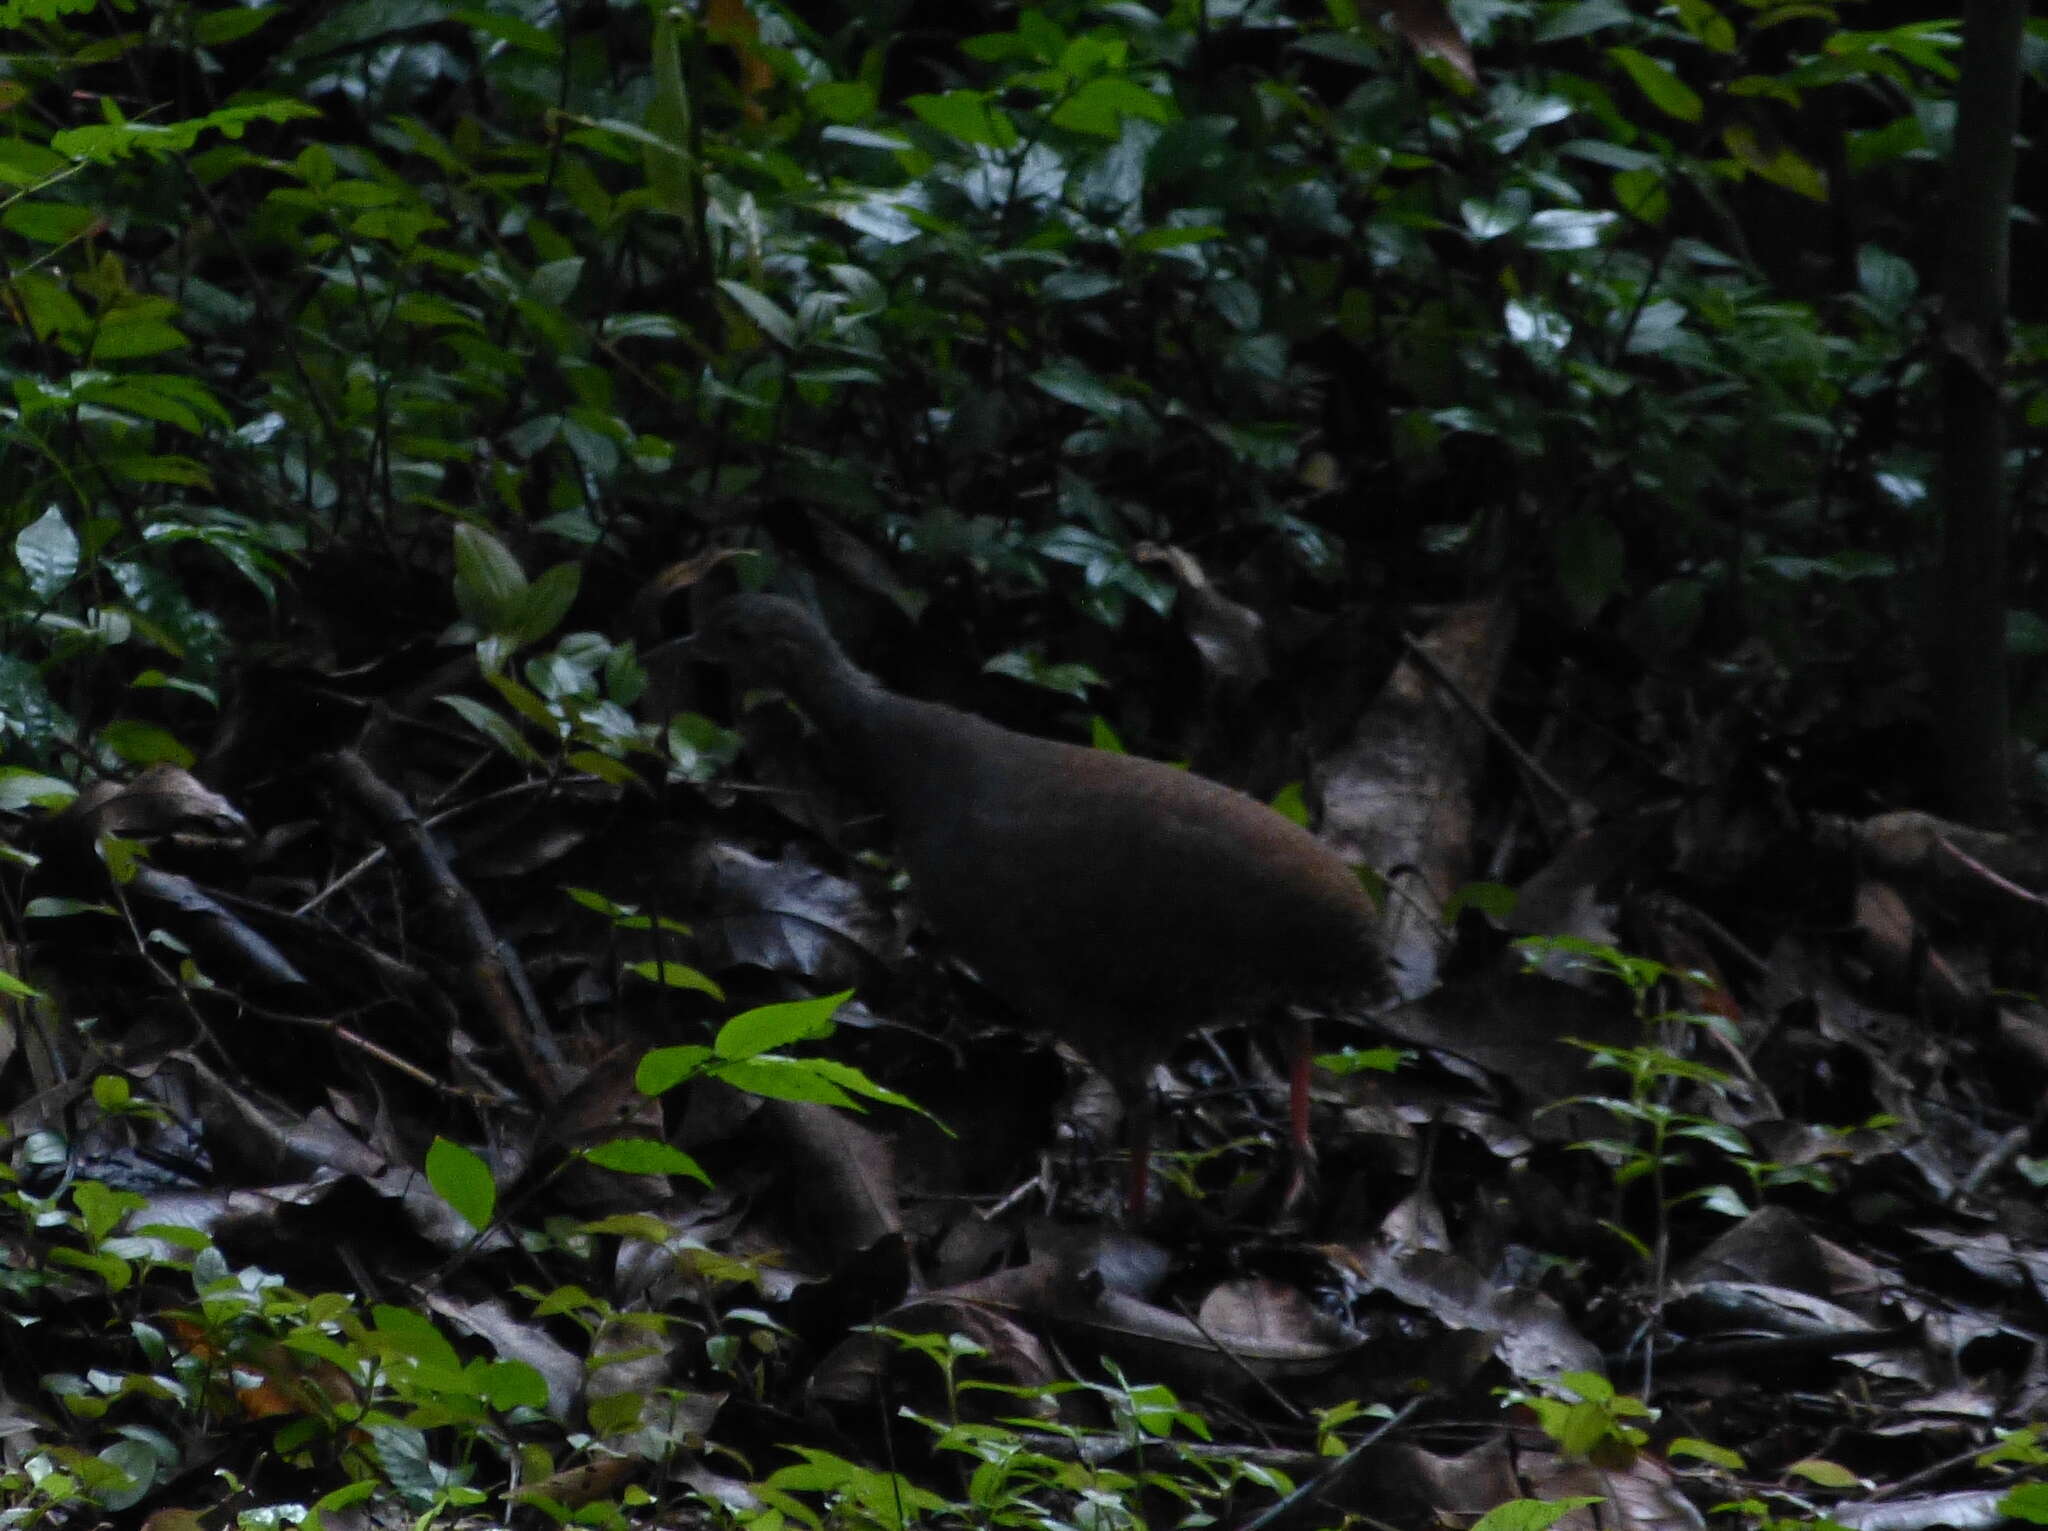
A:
(1778, 163)
(50, 223)
(841, 101)
(542, 42)
(48, 552)
(1888, 280)
(2027, 1502)
(1827, 1474)
(103, 1207)
(1491, 898)
(1707, 24)
(493, 726)
(51, 308)
(1567, 228)
(214, 29)
(1532, 1514)
(411, 1334)
(1642, 195)
(771, 1026)
(854, 1082)
(145, 744)
(1667, 92)
(662, 1069)
(968, 116)
(149, 468)
(767, 317)
(1072, 383)
(22, 788)
(1100, 106)
(644, 1156)
(778, 1078)
(538, 610)
(604, 767)
(488, 580)
(125, 334)
(509, 1384)
(675, 975)
(463, 1181)
(1363, 1060)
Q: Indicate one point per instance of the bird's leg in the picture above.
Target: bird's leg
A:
(1138, 1113)
(1301, 1153)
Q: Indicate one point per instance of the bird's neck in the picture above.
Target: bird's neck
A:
(902, 748)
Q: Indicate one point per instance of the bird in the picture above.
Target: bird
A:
(1115, 902)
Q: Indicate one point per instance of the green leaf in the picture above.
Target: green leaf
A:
(675, 975)
(125, 334)
(1362, 1060)
(52, 310)
(520, 33)
(1072, 383)
(662, 1069)
(841, 101)
(509, 1384)
(1566, 228)
(644, 1156)
(1886, 279)
(116, 1274)
(494, 726)
(666, 160)
(1532, 1514)
(1582, 18)
(779, 1078)
(2028, 1502)
(1289, 803)
(144, 744)
(538, 610)
(1496, 900)
(213, 29)
(967, 116)
(1780, 163)
(47, 550)
(1669, 94)
(771, 320)
(1176, 238)
(103, 1207)
(463, 1181)
(488, 580)
(50, 223)
(771, 1026)
(850, 1079)
(1827, 1474)
(606, 769)
(1100, 107)
(148, 468)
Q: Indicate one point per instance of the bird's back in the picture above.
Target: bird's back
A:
(1098, 890)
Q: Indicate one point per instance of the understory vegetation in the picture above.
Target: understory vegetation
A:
(464, 1064)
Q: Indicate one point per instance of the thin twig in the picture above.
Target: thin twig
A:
(1315, 1486)
(1507, 741)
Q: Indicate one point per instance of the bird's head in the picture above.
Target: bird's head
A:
(772, 639)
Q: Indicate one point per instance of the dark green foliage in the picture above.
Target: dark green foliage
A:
(1639, 316)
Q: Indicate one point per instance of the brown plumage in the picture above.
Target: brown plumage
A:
(1114, 901)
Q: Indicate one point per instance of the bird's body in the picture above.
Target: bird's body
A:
(1114, 901)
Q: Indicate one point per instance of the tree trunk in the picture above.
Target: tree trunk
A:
(1969, 647)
